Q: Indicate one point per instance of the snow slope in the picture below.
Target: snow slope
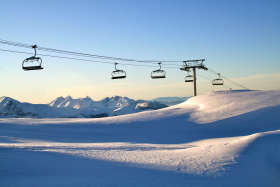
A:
(228, 138)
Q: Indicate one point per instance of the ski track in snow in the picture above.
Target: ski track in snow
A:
(210, 135)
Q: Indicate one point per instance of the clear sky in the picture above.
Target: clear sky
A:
(239, 39)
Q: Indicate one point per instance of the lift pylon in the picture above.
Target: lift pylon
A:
(193, 64)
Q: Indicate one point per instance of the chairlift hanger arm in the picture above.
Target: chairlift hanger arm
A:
(34, 47)
(159, 65)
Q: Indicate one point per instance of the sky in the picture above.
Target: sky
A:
(239, 39)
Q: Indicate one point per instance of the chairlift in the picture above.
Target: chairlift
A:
(189, 78)
(158, 73)
(118, 74)
(218, 81)
(32, 59)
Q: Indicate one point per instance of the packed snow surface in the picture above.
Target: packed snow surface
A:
(228, 138)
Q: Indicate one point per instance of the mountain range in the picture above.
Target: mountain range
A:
(76, 108)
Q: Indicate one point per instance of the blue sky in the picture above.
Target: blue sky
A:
(239, 39)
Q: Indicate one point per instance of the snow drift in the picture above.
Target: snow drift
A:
(228, 138)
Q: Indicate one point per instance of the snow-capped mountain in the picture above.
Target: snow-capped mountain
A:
(12, 108)
(75, 108)
(116, 101)
(144, 105)
(108, 102)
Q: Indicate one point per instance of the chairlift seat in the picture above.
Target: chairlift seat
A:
(188, 80)
(32, 68)
(158, 76)
(217, 83)
(119, 77)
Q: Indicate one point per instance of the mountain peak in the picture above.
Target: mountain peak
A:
(68, 97)
(56, 102)
(87, 97)
(84, 102)
(2, 98)
(5, 99)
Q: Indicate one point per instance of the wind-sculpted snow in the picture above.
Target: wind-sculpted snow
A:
(229, 138)
(221, 105)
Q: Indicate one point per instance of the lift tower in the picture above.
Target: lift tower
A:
(193, 64)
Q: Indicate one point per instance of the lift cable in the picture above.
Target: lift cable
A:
(212, 71)
(81, 59)
(82, 54)
(211, 80)
(102, 57)
(103, 62)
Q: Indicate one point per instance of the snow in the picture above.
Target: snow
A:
(227, 138)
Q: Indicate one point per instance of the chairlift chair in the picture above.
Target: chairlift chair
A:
(118, 74)
(158, 73)
(32, 59)
(189, 78)
(218, 81)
